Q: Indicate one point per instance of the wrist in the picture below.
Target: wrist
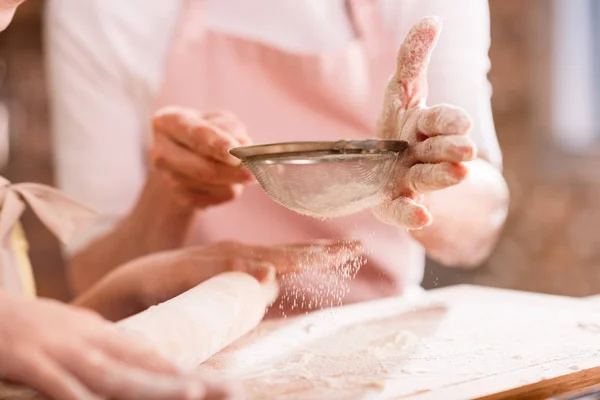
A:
(114, 297)
(157, 196)
(159, 217)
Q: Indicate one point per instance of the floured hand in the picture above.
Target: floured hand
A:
(159, 277)
(438, 135)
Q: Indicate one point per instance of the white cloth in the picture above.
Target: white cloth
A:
(106, 61)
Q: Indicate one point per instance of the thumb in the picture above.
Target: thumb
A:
(407, 87)
(410, 77)
(263, 272)
(270, 291)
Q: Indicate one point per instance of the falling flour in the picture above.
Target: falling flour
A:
(316, 288)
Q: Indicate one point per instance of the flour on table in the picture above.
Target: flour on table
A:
(334, 367)
(310, 328)
(340, 363)
(590, 326)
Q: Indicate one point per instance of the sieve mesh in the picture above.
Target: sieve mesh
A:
(324, 184)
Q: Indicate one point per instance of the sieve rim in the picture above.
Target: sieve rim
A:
(317, 157)
(299, 149)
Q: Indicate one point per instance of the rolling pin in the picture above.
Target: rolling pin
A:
(193, 326)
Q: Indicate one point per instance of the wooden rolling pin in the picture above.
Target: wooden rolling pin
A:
(193, 326)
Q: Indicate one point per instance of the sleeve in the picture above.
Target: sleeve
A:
(99, 105)
(460, 63)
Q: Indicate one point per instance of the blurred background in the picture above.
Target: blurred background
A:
(545, 71)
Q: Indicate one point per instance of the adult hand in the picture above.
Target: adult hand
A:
(159, 277)
(191, 153)
(72, 354)
(438, 135)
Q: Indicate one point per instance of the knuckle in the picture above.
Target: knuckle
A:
(430, 147)
(223, 115)
(174, 118)
(455, 118)
(413, 177)
(215, 113)
(94, 359)
(172, 110)
(157, 122)
(431, 121)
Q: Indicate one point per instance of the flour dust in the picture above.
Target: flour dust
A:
(316, 287)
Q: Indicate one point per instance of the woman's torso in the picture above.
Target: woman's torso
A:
(289, 95)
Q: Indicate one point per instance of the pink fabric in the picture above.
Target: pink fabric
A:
(281, 96)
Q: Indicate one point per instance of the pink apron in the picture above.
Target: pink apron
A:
(281, 96)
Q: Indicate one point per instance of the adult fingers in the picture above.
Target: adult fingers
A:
(443, 119)
(293, 257)
(187, 128)
(209, 195)
(262, 271)
(423, 178)
(225, 190)
(228, 122)
(195, 266)
(205, 198)
(265, 273)
(444, 148)
(192, 267)
(404, 212)
(196, 168)
(270, 291)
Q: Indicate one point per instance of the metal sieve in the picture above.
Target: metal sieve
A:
(324, 179)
